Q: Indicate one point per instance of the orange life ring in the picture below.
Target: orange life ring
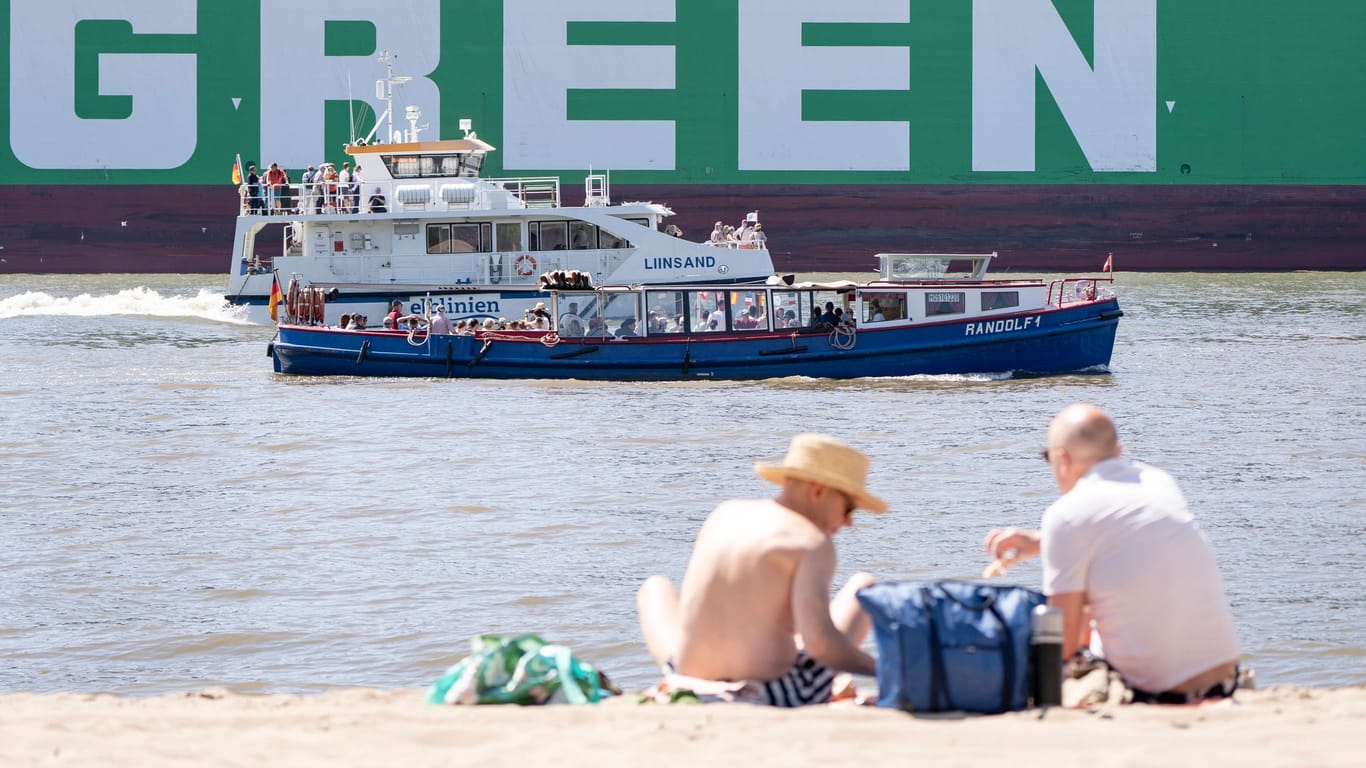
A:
(319, 305)
(525, 265)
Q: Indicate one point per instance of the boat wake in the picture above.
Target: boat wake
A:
(144, 302)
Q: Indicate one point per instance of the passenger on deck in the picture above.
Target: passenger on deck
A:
(875, 312)
(828, 317)
(254, 191)
(758, 237)
(344, 322)
(396, 310)
(716, 321)
(441, 323)
(718, 235)
(754, 318)
(358, 322)
(306, 194)
(580, 239)
(275, 187)
(377, 202)
(570, 323)
(754, 608)
(596, 326)
(538, 317)
(627, 329)
(356, 181)
(344, 189)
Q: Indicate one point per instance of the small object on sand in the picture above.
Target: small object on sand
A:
(997, 568)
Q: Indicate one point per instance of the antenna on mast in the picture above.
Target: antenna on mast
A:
(384, 91)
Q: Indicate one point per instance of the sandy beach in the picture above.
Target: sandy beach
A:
(1279, 726)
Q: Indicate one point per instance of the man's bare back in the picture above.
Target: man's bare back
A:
(756, 594)
(735, 607)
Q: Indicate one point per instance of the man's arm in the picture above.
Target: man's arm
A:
(821, 639)
(1011, 545)
(1074, 620)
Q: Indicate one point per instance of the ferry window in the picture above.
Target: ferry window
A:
(509, 236)
(551, 235)
(749, 310)
(707, 311)
(880, 307)
(836, 301)
(608, 240)
(583, 237)
(464, 238)
(472, 163)
(428, 165)
(1000, 299)
(665, 312)
(616, 315)
(791, 309)
(642, 222)
(438, 238)
(450, 166)
(403, 167)
(944, 303)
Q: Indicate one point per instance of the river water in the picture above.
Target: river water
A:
(175, 516)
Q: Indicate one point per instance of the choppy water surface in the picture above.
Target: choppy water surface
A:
(176, 516)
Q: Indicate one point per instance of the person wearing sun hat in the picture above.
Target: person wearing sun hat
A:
(754, 609)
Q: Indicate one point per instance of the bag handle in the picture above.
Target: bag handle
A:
(1007, 657)
(939, 687)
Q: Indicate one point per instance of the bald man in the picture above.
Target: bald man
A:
(1121, 547)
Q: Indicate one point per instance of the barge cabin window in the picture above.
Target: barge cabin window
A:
(944, 303)
(1000, 300)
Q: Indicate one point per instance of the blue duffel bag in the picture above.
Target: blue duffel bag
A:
(951, 645)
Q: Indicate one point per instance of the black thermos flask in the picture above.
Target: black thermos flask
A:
(1045, 655)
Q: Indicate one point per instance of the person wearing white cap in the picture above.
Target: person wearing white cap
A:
(754, 605)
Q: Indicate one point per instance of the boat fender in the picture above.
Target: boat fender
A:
(270, 349)
(364, 347)
(319, 306)
(449, 353)
(687, 361)
(482, 351)
(525, 265)
(333, 294)
(292, 298)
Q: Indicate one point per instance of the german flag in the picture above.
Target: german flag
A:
(236, 173)
(275, 298)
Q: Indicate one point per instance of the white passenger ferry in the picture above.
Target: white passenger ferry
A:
(424, 225)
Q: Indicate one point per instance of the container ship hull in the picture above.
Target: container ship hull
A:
(1194, 135)
(188, 229)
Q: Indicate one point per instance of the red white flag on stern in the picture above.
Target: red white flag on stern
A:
(275, 297)
(1109, 264)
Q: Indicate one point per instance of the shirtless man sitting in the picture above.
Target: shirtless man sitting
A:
(754, 607)
(1121, 547)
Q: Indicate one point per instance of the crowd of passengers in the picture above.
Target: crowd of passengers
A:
(572, 324)
(748, 234)
(322, 190)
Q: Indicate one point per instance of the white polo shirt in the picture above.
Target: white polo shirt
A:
(1124, 536)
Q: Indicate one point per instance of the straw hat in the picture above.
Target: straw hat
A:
(830, 462)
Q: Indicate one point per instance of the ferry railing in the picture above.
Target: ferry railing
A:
(534, 192)
(332, 197)
(1070, 290)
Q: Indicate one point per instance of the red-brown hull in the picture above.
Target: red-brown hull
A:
(188, 229)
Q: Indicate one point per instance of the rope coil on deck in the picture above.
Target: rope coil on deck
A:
(843, 336)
